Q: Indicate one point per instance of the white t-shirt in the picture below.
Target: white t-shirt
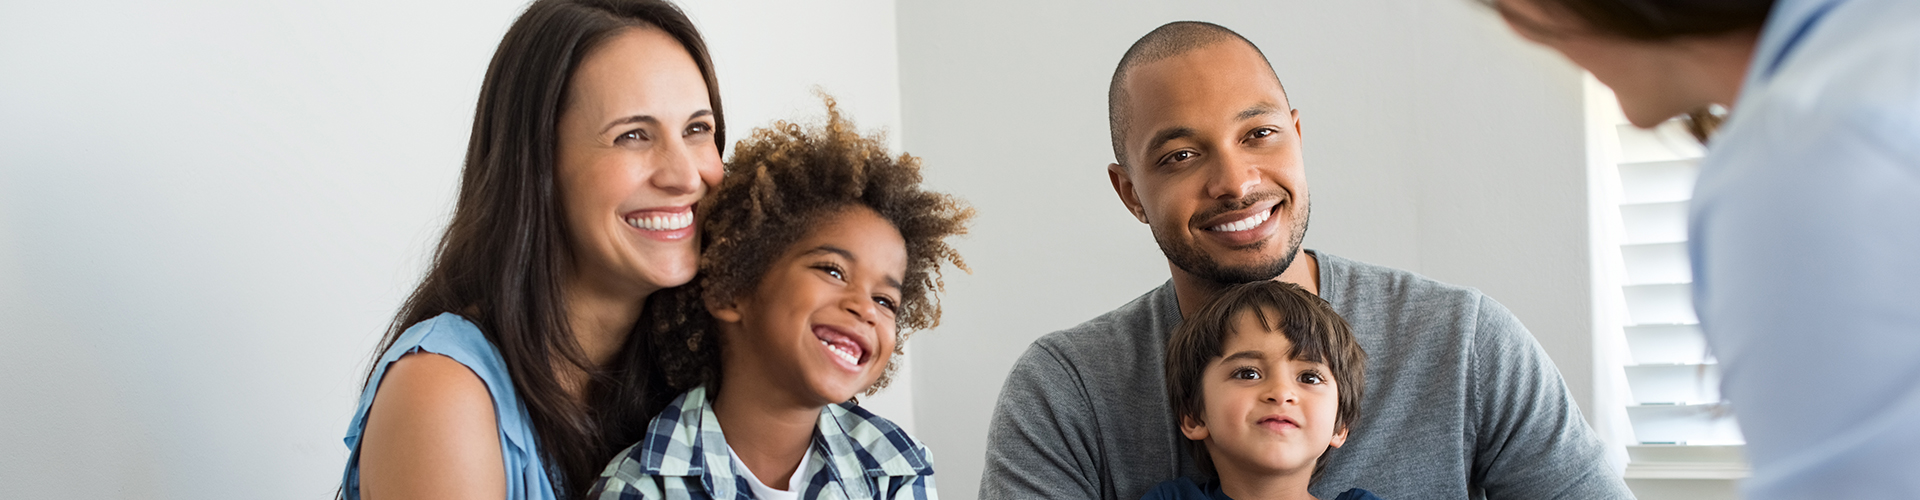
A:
(764, 492)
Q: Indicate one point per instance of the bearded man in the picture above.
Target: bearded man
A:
(1461, 401)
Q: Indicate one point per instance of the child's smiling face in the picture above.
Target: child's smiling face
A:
(819, 326)
(1265, 413)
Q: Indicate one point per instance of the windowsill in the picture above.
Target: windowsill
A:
(1666, 461)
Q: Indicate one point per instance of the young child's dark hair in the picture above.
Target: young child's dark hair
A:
(1318, 334)
(779, 184)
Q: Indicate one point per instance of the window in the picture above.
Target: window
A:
(1659, 389)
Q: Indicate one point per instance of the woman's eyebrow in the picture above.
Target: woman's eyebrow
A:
(650, 120)
(647, 119)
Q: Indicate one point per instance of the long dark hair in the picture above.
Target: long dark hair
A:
(1658, 21)
(504, 255)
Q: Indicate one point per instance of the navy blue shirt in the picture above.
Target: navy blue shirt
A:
(1186, 489)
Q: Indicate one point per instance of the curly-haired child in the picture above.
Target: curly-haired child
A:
(823, 253)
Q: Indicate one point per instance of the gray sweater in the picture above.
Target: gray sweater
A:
(1461, 402)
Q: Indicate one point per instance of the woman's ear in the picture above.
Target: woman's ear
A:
(724, 311)
(1194, 429)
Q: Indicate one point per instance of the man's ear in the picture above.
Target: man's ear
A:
(1296, 125)
(1339, 438)
(728, 312)
(1123, 186)
(1193, 428)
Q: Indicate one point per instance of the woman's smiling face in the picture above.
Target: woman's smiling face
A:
(635, 152)
(819, 326)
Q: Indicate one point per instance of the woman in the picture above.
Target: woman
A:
(511, 371)
(1805, 223)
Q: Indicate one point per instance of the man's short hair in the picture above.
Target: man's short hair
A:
(1318, 334)
(1168, 40)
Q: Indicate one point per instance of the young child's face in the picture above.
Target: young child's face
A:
(820, 324)
(1265, 413)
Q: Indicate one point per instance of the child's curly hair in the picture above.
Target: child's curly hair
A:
(779, 184)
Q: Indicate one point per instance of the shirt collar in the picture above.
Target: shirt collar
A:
(848, 441)
(1787, 25)
(685, 440)
(865, 444)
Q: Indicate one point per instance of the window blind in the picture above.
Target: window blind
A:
(1679, 426)
(1674, 382)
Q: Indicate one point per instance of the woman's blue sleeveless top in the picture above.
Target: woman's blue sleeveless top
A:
(452, 336)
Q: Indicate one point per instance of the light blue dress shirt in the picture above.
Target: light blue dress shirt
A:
(453, 336)
(1806, 248)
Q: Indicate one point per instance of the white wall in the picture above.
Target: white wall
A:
(209, 209)
(1435, 141)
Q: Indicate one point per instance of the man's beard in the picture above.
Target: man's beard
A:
(1188, 257)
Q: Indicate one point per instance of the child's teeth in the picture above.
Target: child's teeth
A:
(842, 352)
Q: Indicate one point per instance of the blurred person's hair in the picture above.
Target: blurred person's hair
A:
(501, 262)
(1655, 21)
(1649, 20)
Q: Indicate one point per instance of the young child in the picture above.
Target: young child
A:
(822, 254)
(1264, 381)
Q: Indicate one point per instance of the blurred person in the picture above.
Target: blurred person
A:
(1804, 229)
(1462, 401)
(512, 371)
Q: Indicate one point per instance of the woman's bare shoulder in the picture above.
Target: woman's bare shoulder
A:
(431, 433)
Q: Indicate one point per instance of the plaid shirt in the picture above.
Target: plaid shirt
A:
(855, 455)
